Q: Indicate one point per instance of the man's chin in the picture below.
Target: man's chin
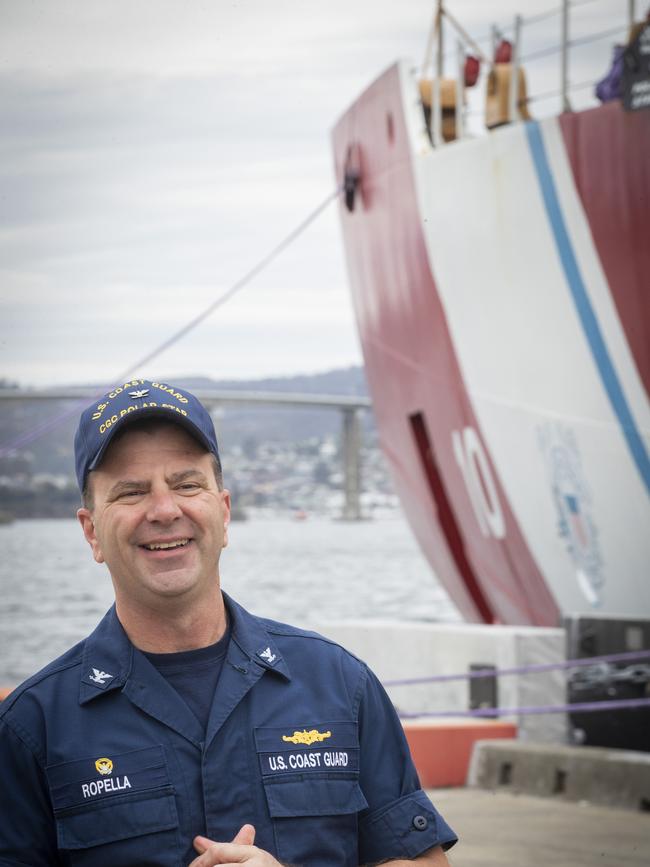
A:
(171, 584)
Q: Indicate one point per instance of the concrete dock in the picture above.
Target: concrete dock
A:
(508, 830)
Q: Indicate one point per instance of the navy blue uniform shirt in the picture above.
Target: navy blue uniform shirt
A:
(103, 763)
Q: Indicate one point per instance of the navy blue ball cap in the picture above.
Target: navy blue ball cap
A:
(133, 400)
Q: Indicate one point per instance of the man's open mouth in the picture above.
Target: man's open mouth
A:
(164, 546)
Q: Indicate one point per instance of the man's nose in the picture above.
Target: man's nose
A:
(162, 507)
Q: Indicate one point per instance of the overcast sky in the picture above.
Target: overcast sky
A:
(151, 151)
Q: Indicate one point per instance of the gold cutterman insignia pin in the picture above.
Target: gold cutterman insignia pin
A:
(306, 737)
(104, 766)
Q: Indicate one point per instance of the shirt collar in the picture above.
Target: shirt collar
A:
(107, 658)
(108, 652)
(254, 640)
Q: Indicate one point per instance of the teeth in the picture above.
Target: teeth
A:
(159, 546)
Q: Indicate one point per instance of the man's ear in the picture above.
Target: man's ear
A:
(226, 518)
(85, 518)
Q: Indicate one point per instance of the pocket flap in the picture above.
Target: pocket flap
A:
(322, 796)
(98, 778)
(111, 820)
(313, 749)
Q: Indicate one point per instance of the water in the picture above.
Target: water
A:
(52, 593)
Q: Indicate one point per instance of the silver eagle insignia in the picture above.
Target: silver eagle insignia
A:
(99, 676)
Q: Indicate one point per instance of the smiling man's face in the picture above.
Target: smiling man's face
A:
(159, 520)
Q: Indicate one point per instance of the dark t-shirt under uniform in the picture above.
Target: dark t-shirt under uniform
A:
(194, 674)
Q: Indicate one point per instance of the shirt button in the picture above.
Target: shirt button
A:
(420, 823)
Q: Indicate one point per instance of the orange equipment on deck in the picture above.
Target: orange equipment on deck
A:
(497, 100)
(448, 104)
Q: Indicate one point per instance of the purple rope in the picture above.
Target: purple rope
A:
(54, 421)
(50, 423)
(622, 704)
(525, 669)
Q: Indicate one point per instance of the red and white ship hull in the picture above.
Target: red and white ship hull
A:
(501, 287)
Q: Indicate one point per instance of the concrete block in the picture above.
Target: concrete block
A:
(397, 650)
(612, 778)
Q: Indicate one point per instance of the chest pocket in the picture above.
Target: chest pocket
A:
(311, 782)
(116, 810)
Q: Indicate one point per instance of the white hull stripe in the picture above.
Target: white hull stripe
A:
(583, 305)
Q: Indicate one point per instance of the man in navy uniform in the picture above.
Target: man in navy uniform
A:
(185, 730)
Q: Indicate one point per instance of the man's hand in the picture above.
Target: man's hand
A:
(240, 851)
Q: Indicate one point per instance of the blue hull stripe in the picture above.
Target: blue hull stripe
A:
(586, 313)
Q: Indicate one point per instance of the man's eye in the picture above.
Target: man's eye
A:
(125, 495)
(188, 486)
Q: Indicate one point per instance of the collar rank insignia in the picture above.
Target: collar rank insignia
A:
(306, 737)
(99, 676)
(140, 392)
(268, 655)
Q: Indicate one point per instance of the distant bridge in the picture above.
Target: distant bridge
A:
(350, 408)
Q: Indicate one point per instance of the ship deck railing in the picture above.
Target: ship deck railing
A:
(574, 32)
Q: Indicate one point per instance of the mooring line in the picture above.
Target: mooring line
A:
(585, 706)
(523, 669)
